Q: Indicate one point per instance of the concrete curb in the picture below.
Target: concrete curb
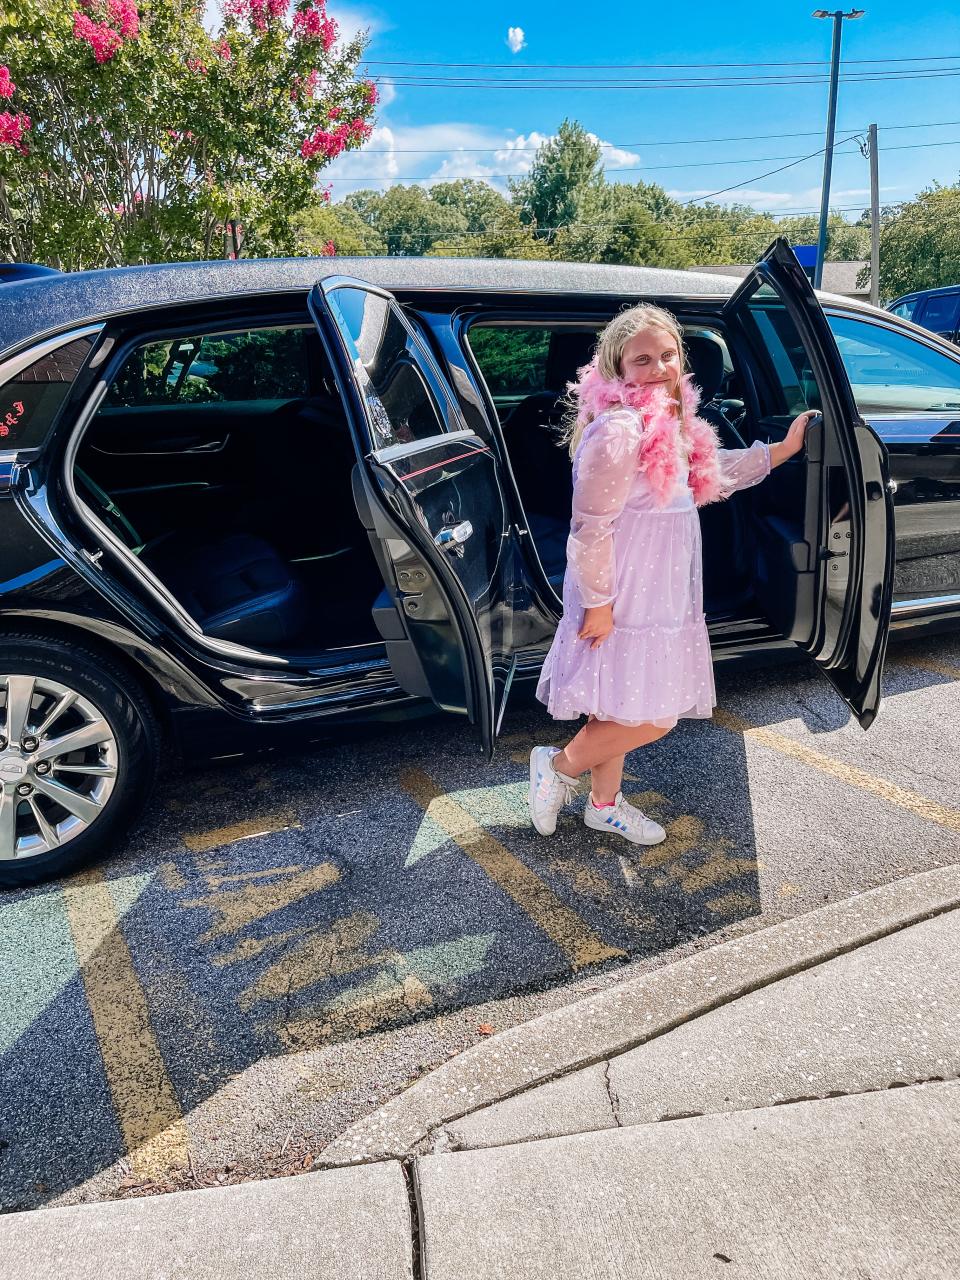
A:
(635, 1011)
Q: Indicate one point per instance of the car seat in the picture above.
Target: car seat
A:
(235, 587)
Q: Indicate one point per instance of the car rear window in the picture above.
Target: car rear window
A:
(31, 400)
(249, 365)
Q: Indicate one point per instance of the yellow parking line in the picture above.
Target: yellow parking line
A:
(563, 926)
(201, 841)
(922, 806)
(146, 1106)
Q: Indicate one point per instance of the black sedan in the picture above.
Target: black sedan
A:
(244, 501)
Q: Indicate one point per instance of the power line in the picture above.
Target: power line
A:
(665, 142)
(665, 66)
(650, 168)
(590, 86)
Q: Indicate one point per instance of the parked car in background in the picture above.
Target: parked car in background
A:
(242, 502)
(935, 309)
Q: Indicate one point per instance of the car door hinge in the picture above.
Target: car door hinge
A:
(93, 557)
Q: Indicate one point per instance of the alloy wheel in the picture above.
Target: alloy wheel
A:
(58, 765)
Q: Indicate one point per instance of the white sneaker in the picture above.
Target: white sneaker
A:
(549, 790)
(624, 819)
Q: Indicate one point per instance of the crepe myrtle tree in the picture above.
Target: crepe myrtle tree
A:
(129, 133)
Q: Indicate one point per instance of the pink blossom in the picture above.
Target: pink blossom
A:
(223, 49)
(373, 97)
(256, 12)
(123, 14)
(196, 65)
(12, 129)
(329, 250)
(313, 23)
(6, 84)
(333, 113)
(327, 144)
(103, 40)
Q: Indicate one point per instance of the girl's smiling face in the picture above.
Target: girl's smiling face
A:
(651, 356)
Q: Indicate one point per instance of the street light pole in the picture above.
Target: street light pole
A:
(838, 16)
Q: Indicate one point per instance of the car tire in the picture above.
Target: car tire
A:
(69, 806)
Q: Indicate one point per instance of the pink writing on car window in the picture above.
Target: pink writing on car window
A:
(11, 417)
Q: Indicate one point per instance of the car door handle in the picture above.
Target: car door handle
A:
(453, 536)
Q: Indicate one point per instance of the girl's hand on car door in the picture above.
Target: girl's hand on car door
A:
(597, 624)
(792, 442)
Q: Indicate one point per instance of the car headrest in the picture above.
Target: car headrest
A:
(569, 349)
(705, 358)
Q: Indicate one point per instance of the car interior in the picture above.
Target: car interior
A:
(224, 463)
(240, 505)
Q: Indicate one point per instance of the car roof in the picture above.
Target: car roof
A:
(35, 308)
(926, 293)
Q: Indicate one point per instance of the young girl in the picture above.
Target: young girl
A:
(632, 651)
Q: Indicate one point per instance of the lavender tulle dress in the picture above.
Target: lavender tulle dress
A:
(655, 666)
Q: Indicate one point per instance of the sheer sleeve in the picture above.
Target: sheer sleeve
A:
(606, 467)
(741, 468)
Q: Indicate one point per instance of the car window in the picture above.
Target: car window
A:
(249, 365)
(790, 386)
(404, 394)
(893, 372)
(512, 358)
(32, 398)
(906, 309)
(940, 313)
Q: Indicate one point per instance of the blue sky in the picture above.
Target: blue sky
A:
(490, 131)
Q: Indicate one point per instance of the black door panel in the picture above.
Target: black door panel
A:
(430, 495)
(824, 528)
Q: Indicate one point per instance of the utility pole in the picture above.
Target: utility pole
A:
(838, 16)
(874, 218)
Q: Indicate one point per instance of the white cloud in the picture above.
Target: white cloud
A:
(443, 152)
(379, 167)
(516, 39)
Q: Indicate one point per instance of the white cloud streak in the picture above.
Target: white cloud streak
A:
(516, 39)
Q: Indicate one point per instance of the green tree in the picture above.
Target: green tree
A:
(320, 225)
(406, 219)
(480, 204)
(150, 139)
(566, 171)
(920, 245)
(505, 237)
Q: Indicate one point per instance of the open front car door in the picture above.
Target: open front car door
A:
(823, 521)
(429, 492)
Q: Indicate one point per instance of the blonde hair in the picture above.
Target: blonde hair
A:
(608, 355)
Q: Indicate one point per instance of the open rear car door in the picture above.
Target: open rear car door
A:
(429, 492)
(824, 519)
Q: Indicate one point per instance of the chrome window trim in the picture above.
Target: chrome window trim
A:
(406, 447)
(16, 364)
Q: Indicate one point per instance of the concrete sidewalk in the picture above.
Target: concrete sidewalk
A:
(786, 1104)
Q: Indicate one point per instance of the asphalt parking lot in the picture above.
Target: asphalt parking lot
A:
(284, 943)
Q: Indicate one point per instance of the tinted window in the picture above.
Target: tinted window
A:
(31, 400)
(513, 360)
(256, 364)
(791, 386)
(404, 395)
(940, 313)
(892, 372)
(905, 309)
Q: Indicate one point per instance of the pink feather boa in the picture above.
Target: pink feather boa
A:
(663, 435)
